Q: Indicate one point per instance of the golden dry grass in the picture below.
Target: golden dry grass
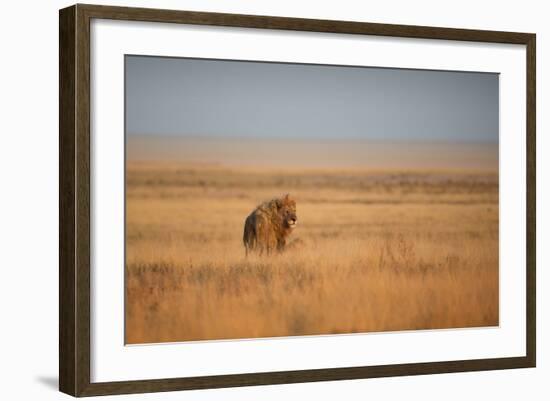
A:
(383, 250)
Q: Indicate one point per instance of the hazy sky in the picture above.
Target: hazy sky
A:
(175, 96)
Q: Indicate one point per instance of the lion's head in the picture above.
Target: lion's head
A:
(286, 208)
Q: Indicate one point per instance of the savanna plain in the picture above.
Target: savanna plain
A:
(383, 246)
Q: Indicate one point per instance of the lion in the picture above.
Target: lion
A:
(268, 226)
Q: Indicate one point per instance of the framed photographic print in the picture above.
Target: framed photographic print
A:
(250, 200)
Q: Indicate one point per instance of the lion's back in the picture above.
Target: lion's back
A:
(249, 234)
(259, 232)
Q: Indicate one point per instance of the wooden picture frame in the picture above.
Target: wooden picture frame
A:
(74, 200)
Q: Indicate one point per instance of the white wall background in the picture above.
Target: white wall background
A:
(29, 185)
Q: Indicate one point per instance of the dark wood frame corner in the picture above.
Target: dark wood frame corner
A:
(74, 199)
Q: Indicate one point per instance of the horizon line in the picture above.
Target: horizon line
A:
(308, 137)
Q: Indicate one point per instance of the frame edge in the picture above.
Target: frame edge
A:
(531, 201)
(67, 267)
(300, 24)
(74, 201)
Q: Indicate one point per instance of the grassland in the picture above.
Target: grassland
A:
(387, 249)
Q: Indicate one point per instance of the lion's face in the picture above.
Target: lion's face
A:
(287, 211)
